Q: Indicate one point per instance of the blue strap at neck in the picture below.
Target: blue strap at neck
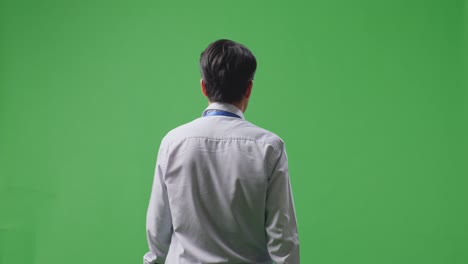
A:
(215, 112)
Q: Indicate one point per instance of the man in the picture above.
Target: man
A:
(221, 191)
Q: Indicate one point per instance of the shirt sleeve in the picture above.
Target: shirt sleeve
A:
(280, 216)
(158, 219)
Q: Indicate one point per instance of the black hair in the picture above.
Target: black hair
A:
(227, 67)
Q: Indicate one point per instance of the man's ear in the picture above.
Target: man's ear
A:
(203, 88)
(249, 89)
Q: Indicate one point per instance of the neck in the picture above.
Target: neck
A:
(242, 105)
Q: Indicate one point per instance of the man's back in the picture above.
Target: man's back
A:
(221, 190)
(228, 194)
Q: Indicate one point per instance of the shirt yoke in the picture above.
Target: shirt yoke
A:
(223, 128)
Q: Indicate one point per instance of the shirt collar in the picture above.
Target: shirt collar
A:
(225, 107)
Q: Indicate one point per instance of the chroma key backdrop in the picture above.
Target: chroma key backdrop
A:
(369, 96)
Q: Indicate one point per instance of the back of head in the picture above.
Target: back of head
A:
(227, 67)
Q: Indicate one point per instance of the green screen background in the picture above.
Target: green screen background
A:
(369, 96)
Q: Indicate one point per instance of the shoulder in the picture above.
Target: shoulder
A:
(178, 132)
(191, 128)
(266, 136)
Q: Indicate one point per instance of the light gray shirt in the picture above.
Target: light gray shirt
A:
(221, 194)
